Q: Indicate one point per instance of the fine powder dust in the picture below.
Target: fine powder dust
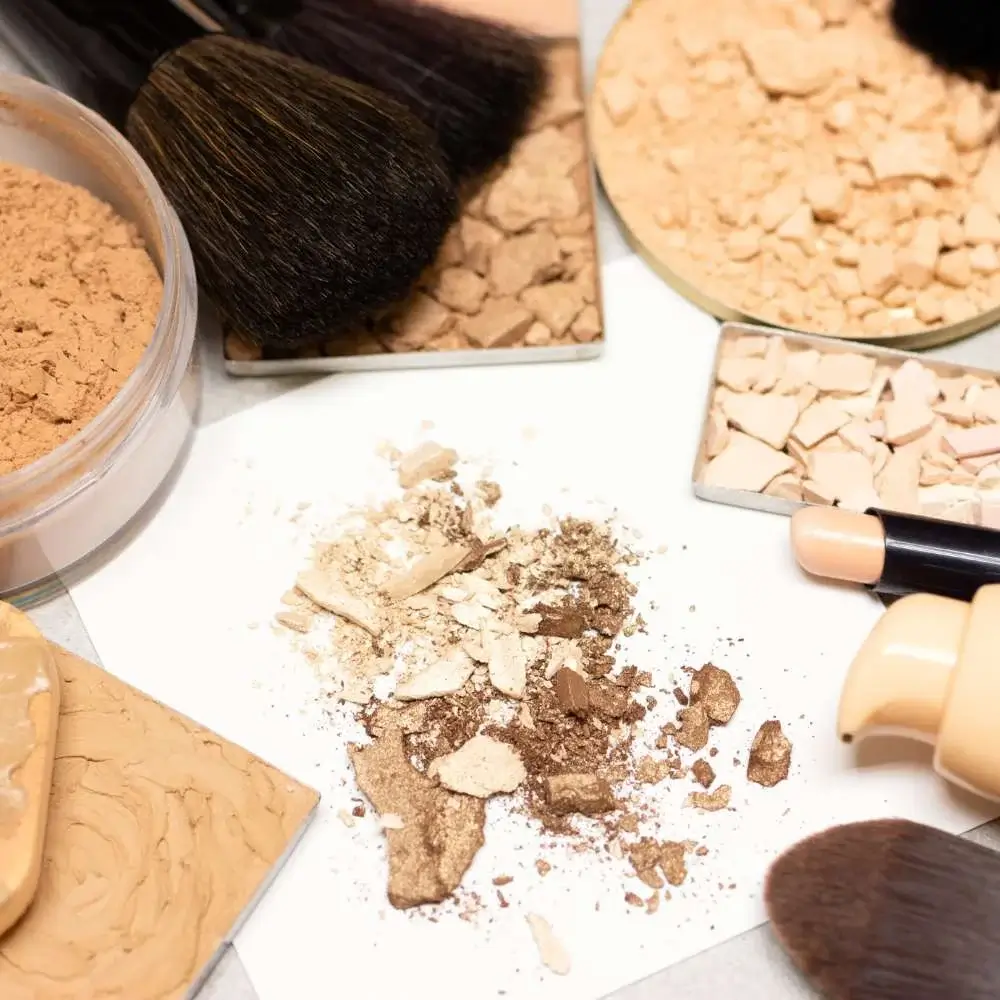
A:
(79, 297)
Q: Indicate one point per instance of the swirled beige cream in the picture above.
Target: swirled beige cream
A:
(160, 835)
(29, 714)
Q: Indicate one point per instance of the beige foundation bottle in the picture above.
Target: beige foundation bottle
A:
(930, 670)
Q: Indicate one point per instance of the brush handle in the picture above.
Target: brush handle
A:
(100, 51)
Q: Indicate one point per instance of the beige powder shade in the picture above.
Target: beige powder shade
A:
(795, 164)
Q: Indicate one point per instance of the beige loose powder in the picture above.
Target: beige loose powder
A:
(79, 297)
(798, 163)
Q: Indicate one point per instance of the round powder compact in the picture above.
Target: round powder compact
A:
(98, 309)
(794, 163)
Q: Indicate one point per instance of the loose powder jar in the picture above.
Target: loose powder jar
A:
(98, 308)
(798, 164)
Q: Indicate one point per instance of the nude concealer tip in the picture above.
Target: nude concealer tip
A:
(838, 544)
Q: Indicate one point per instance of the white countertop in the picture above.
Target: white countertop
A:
(751, 963)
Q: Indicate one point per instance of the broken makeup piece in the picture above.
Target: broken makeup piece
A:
(516, 278)
(796, 419)
(800, 165)
(896, 554)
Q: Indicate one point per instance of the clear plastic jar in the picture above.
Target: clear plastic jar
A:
(64, 507)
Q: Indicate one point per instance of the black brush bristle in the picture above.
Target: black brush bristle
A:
(475, 83)
(310, 202)
(890, 910)
(961, 36)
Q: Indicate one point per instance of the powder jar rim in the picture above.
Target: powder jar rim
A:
(66, 505)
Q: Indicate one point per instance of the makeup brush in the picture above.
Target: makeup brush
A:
(890, 910)
(473, 81)
(959, 35)
(311, 202)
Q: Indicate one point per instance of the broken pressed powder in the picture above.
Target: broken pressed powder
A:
(519, 267)
(910, 435)
(493, 676)
(801, 164)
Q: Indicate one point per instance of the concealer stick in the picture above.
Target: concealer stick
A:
(896, 554)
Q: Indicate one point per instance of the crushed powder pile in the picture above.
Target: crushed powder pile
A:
(486, 662)
(798, 162)
(79, 297)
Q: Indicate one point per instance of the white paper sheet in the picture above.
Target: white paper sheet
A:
(183, 613)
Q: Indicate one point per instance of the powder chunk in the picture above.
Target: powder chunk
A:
(672, 861)
(579, 793)
(441, 833)
(769, 418)
(910, 154)
(508, 665)
(553, 955)
(427, 461)
(710, 801)
(715, 691)
(703, 773)
(426, 571)
(555, 304)
(447, 676)
(846, 372)
(326, 591)
(563, 623)
(481, 767)
(786, 63)
(819, 421)
(770, 755)
(746, 464)
(79, 298)
(572, 691)
(500, 323)
(461, 289)
(524, 260)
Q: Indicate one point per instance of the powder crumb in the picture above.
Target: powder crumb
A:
(715, 690)
(553, 955)
(427, 461)
(79, 299)
(503, 880)
(703, 773)
(672, 862)
(579, 793)
(710, 801)
(542, 867)
(345, 817)
(770, 755)
(634, 900)
(653, 903)
(572, 692)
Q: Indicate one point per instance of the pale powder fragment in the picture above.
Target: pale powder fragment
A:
(323, 589)
(746, 464)
(710, 801)
(427, 461)
(829, 195)
(907, 420)
(481, 767)
(556, 305)
(981, 225)
(551, 951)
(508, 664)
(620, 97)
(876, 269)
(739, 373)
(460, 289)
(843, 372)
(426, 571)
(910, 154)
(841, 474)
(785, 62)
(768, 418)
(446, 676)
(819, 421)
(524, 260)
(973, 441)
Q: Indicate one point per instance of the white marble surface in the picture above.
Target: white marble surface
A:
(750, 964)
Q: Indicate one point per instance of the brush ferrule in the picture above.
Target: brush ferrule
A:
(101, 51)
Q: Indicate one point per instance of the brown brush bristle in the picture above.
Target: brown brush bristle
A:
(473, 82)
(310, 201)
(890, 910)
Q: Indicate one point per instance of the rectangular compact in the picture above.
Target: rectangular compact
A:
(793, 419)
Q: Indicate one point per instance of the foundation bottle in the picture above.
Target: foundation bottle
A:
(930, 670)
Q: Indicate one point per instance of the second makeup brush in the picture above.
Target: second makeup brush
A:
(890, 910)
(310, 202)
(473, 81)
